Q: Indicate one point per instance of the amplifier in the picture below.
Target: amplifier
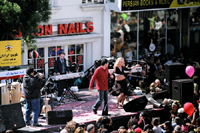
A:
(59, 117)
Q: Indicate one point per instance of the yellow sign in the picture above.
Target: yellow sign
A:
(10, 54)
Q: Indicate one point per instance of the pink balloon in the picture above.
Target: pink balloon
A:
(189, 70)
(188, 108)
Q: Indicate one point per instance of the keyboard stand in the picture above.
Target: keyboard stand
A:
(68, 90)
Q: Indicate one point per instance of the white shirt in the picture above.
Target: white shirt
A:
(157, 129)
(158, 25)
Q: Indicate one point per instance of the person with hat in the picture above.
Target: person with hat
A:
(90, 128)
(32, 85)
(177, 129)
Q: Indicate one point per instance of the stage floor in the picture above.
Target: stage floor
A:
(82, 110)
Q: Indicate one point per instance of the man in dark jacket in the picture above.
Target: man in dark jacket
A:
(59, 69)
(32, 85)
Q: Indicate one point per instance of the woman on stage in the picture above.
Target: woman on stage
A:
(119, 68)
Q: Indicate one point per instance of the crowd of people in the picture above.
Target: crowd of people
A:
(174, 119)
(177, 122)
(150, 81)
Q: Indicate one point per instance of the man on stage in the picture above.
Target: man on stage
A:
(101, 76)
(60, 68)
(32, 85)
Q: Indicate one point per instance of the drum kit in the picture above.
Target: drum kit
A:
(10, 93)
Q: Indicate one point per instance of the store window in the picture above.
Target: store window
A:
(152, 34)
(39, 62)
(195, 16)
(75, 56)
(123, 35)
(53, 54)
(194, 31)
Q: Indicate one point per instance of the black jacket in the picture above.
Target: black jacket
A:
(58, 66)
(32, 86)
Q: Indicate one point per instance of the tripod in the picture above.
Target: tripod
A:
(68, 90)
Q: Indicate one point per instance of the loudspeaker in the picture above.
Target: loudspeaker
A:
(136, 104)
(174, 71)
(183, 90)
(59, 117)
(11, 117)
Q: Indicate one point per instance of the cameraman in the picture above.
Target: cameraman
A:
(32, 85)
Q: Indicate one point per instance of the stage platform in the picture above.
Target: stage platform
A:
(82, 111)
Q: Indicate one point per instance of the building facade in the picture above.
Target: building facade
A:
(78, 28)
(160, 27)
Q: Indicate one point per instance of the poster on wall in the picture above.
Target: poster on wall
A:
(156, 4)
(10, 53)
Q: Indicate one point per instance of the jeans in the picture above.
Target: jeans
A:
(103, 97)
(32, 105)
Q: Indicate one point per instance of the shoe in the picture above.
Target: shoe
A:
(58, 98)
(106, 114)
(37, 125)
(28, 124)
(94, 111)
(117, 106)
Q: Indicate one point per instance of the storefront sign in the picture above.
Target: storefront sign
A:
(12, 74)
(63, 29)
(10, 53)
(159, 4)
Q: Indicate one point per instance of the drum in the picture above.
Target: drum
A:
(5, 94)
(15, 92)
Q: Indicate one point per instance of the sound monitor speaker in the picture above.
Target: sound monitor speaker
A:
(11, 117)
(59, 117)
(136, 104)
(174, 71)
(183, 90)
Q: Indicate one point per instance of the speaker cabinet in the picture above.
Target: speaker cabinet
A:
(11, 117)
(183, 90)
(136, 104)
(174, 71)
(59, 117)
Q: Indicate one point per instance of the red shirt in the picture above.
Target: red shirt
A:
(101, 77)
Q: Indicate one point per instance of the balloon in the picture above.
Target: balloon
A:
(189, 70)
(34, 54)
(188, 108)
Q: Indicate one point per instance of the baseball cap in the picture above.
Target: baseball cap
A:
(90, 127)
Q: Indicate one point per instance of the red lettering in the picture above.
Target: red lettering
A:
(81, 28)
(71, 28)
(48, 29)
(41, 30)
(19, 34)
(52, 62)
(90, 27)
(77, 27)
(70, 58)
(62, 28)
(40, 63)
(80, 59)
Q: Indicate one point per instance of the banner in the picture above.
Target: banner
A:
(12, 74)
(128, 5)
(10, 53)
